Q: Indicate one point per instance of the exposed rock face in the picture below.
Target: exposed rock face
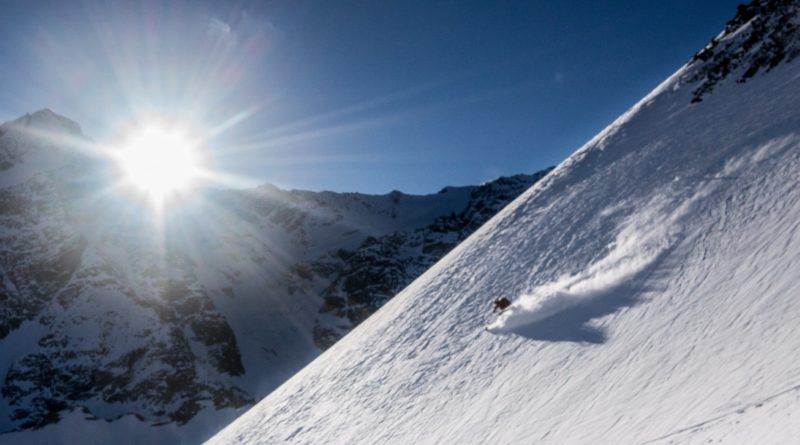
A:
(34, 267)
(107, 336)
(105, 310)
(762, 35)
(363, 279)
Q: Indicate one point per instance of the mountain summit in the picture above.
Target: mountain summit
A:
(45, 119)
(653, 280)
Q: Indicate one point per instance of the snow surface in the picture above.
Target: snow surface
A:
(76, 428)
(654, 276)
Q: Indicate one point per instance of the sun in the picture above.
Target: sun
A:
(159, 161)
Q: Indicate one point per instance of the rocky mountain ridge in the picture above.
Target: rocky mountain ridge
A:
(105, 311)
(762, 35)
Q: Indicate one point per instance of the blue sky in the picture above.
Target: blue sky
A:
(353, 95)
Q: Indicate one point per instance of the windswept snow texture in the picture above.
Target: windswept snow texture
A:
(638, 246)
(655, 276)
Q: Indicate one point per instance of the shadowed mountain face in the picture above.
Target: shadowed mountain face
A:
(360, 281)
(107, 310)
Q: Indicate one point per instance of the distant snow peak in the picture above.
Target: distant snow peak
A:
(45, 119)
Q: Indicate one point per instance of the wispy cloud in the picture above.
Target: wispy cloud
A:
(220, 31)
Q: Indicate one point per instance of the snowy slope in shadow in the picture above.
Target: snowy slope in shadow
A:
(654, 279)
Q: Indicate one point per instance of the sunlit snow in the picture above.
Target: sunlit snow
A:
(653, 277)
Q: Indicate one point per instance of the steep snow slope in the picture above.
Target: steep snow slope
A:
(654, 274)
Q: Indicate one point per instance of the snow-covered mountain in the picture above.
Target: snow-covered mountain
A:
(654, 276)
(117, 325)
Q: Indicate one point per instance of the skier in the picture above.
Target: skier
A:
(500, 304)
